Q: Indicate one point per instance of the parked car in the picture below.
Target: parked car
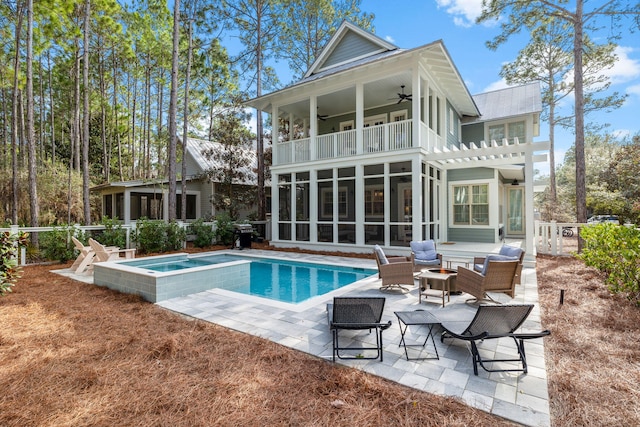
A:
(597, 219)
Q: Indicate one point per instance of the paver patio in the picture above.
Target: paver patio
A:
(515, 396)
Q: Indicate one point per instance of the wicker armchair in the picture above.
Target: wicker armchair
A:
(499, 276)
(394, 271)
(505, 251)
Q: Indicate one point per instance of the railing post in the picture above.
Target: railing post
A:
(554, 238)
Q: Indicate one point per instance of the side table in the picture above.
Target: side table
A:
(417, 318)
(441, 275)
(457, 260)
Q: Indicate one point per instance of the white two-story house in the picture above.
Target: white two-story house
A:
(383, 145)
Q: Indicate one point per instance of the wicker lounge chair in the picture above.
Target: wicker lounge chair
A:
(498, 276)
(356, 313)
(394, 271)
(496, 321)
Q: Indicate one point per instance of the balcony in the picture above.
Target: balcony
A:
(375, 139)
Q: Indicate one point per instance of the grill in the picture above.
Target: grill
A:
(243, 234)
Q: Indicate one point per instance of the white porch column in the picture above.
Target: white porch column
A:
(126, 202)
(416, 199)
(359, 201)
(313, 129)
(415, 109)
(313, 205)
(275, 207)
(359, 118)
(443, 201)
(528, 205)
(275, 135)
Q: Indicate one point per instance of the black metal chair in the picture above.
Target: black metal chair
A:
(496, 321)
(356, 313)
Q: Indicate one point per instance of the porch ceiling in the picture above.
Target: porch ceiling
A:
(382, 80)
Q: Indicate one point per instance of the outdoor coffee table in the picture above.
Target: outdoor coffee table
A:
(417, 318)
(457, 260)
(442, 275)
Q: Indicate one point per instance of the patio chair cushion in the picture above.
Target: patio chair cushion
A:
(494, 257)
(424, 250)
(511, 251)
(380, 254)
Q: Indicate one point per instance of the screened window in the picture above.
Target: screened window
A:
(471, 204)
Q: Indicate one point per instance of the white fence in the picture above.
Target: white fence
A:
(264, 226)
(557, 238)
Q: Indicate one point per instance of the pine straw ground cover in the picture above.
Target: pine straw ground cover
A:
(73, 354)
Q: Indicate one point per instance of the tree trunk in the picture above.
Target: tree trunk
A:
(16, 121)
(581, 191)
(147, 137)
(51, 110)
(115, 113)
(31, 140)
(185, 124)
(106, 152)
(173, 109)
(553, 197)
(259, 131)
(75, 130)
(86, 116)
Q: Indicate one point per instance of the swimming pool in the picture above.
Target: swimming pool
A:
(167, 276)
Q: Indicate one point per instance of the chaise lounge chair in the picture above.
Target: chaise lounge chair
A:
(394, 271)
(103, 253)
(356, 313)
(85, 257)
(496, 321)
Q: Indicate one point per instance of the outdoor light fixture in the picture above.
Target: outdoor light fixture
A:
(514, 182)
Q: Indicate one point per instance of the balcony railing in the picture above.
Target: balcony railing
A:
(380, 138)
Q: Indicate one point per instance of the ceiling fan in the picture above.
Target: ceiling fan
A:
(322, 117)
(403, 96)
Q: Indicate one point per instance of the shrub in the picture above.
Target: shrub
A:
(175, 236)
(615, 250)
(113, 234)
(224, 229)
(56, 244)
(149, 235)
(158, 236)
(9, 268)
(204, 233)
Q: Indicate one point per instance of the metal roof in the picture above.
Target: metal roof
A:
(197, 147)
(509, 102)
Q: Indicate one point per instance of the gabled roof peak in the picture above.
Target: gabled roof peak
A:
(348, 44)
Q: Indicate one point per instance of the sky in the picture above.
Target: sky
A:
(413, 23)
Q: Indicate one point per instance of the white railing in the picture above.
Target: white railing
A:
(339, 144)
(380, 138)
(557, 238)
(283, 153)
(374, 139)
(346, 143)
(302, 150)
(400, 135)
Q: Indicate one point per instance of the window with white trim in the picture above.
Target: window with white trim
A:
(507, 130)
(471, 204)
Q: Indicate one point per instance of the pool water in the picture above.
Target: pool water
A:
(281, 280)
